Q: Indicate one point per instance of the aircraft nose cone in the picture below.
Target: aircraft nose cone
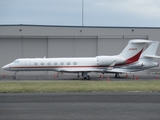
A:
(6, 67)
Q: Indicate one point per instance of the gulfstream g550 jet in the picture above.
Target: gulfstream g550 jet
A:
(83, 65)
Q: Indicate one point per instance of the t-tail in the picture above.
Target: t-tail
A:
(146, 60)
(150, 52)
(133, 50)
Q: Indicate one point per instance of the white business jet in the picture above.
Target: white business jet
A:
(129, 55)
(145, 61)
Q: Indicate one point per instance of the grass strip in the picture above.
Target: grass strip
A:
(78, 86)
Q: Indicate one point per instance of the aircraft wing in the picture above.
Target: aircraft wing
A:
(121, 70)
(82, 70)
(114, 70)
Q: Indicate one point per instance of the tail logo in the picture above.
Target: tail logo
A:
(132, 48)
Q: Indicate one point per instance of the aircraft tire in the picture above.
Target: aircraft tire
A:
(117, 75)
(14, 77)
(78, 76)
(86, 78)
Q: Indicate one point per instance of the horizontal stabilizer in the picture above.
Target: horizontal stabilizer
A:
(151, 56)
(150, 52)
(140, 41)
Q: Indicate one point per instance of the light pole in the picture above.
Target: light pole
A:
(82, 12)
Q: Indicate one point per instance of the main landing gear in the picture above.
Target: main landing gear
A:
(117, 75)
(85, 76)
(78, 76)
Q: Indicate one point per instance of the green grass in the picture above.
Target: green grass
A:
(78, 86)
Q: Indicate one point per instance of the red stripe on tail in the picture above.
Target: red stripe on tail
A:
(134, 58)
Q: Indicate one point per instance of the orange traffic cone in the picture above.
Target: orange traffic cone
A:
(108, 79)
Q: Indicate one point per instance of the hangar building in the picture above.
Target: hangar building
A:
(37, 41)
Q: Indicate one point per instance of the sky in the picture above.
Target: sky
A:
(121, 13)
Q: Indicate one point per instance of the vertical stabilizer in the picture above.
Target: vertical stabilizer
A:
(133, 50)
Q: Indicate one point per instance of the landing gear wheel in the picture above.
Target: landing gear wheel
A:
(87, 77)
(14, 77)
(117, 75)
(78, 76)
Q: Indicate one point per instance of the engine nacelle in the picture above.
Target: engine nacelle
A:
(108, 60)
(138, 64)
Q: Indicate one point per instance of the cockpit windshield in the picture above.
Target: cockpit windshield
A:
(16, 61)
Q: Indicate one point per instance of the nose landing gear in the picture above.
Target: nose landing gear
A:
(14, 77)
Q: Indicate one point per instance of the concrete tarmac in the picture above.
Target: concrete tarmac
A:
(98, 77)
(80, 106)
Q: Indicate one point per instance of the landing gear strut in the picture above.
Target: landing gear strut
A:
(85, 76)
(78, 76)
(14, 77)
(117, 75)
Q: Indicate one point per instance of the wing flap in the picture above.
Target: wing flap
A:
(119, 70)
(81, 70)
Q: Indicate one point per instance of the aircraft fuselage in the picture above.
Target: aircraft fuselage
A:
(63, 64)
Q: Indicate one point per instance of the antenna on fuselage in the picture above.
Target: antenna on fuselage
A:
(44, 57)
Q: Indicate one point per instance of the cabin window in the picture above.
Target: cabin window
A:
(35, 63)
(48, 63)
(62, 63)
(75, 63)
(42, 63)
(68, 63)
(55, 63)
